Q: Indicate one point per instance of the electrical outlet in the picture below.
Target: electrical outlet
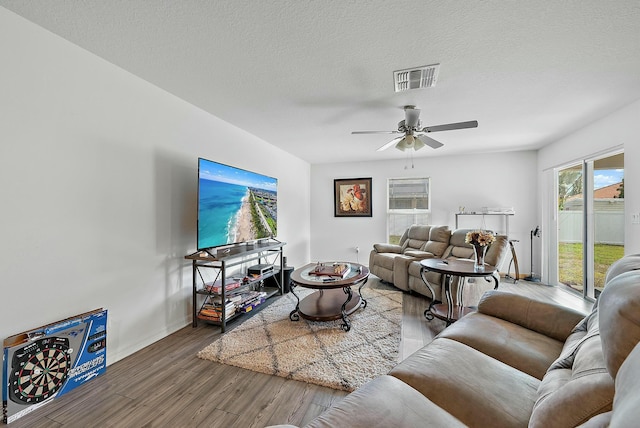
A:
(635, 218)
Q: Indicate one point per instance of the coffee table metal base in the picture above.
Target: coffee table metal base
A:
(328, 305)
(325, 305)
(334, 298)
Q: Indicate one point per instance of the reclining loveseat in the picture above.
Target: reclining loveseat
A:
(516, 362)
(399, 264)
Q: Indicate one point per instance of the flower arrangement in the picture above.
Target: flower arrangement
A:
(479, 237)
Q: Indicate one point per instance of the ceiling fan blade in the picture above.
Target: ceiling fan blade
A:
(389, 144)
(375, 132)
(411, 117)
(451, 126)
(429, 142)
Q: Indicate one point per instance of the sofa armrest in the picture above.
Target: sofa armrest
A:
(419, 254)
(552, 320)
(387, 248)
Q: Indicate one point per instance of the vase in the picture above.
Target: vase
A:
(478, 257)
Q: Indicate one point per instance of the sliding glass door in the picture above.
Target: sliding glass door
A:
(590, 221)
(571, 226)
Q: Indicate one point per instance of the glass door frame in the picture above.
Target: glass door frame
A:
(551, 211)
(555, 240)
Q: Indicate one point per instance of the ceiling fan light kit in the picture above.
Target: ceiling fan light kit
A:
(405, 144)
(409, 142)
(414, 135)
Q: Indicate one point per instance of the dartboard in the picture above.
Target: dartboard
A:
(39, 370)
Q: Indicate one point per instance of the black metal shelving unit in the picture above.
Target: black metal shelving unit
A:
(267, 252)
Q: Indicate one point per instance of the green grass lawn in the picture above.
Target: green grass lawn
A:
(570, 262)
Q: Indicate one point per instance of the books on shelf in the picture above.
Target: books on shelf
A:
(213, 312)
(251, 300)
(233, 299)
(243, 302)
(250, 297)
(230, 283)
(251, 306)
(209, 317)
(216, 287)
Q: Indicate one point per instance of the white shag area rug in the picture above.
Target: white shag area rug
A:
(316, 352)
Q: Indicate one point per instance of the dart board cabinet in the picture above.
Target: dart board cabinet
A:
(46, 362)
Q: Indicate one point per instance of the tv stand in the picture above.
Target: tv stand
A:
(212, 295)
(210, 253)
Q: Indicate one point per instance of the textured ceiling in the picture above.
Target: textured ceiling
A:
(303, 74)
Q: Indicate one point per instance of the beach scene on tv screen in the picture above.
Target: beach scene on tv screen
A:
(234, 205)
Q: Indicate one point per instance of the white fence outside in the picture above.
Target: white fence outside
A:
(609, 227)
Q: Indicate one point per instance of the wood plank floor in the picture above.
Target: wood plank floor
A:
(166, 385)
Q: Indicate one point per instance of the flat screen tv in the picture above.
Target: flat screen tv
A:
(234, 205)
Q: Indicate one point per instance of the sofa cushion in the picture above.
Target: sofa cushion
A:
(497, 251)
(619, 307)
(473, 387)
(419, 232)
(385, 260)
(417, 235)
(413, 244)
(457, 247)
(585, 329)
(404, 237)
(458, 238)
(577, 385)
(400, 271)
(626, 264)
(626, 403)
(517, 346)
(603, 420)
(438, 240)
(385, 402)
(546, 318)
(419, 254)
(381, 265)
(461, 252)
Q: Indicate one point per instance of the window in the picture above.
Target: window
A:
(407, 203)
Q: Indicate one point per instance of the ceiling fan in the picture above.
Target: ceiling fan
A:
(414, 135)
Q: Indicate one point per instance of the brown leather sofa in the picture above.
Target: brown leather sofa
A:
(399, 264)
(516, 362)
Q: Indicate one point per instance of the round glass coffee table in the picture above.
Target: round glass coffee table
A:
(334, 298)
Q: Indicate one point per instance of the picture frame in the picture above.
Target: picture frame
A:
(352, 197)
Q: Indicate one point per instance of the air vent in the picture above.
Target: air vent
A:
(416, 78)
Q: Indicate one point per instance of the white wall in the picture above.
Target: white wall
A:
(620, 129)
(491, 180)
(99, 173)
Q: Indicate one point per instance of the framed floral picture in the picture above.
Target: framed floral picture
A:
(352, 197)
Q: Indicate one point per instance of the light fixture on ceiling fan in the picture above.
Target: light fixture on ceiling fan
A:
(409, 141)
(415, 137)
